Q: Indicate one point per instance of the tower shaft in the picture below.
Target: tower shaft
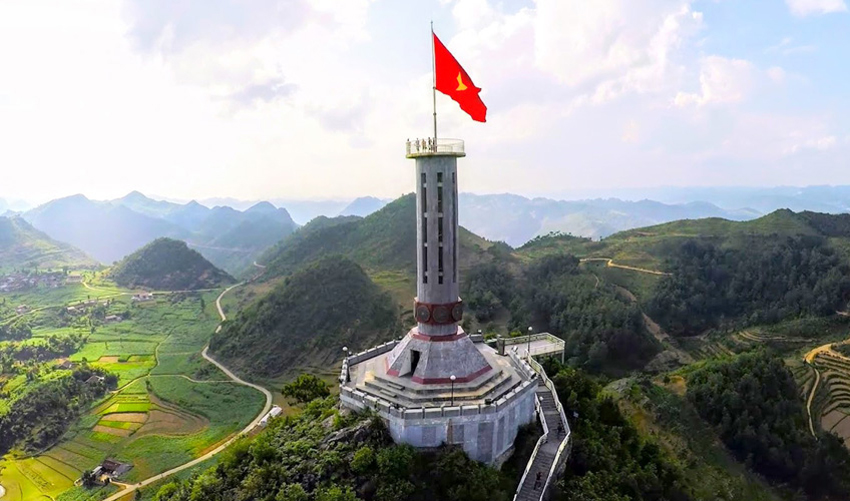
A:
(437, 232)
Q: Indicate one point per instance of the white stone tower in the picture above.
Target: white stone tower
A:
(437, 348)
(438, 384)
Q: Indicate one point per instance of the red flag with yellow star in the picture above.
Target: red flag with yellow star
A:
(451, 79)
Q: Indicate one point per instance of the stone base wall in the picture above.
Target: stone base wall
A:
(486, 433)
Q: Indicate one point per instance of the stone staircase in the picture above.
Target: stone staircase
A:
(532, 487)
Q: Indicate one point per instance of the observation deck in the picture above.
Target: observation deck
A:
(442, 147)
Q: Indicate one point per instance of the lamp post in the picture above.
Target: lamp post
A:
(528, 344)
(452, 378)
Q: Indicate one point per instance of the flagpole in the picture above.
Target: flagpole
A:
(434, 88)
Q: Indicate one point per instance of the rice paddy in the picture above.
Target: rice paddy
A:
(832, 399)
(171, 405)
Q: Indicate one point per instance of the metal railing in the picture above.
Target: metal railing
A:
(563, 449)
(428, 146)
(540, 441)
(557, 345)
(561, 455)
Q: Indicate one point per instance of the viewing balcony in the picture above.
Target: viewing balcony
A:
(430, 148)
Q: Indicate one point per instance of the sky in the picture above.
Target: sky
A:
(314, 99)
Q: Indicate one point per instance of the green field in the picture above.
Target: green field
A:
(158, 419)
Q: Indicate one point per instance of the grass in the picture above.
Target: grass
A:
(227, 406)
(192, 365)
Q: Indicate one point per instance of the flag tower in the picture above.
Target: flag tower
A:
(438, 384)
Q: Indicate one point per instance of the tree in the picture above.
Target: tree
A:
(306, 388)
(88, 479)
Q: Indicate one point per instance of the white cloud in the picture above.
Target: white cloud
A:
(787, 47)
(803, 8)
(722, 81)
(314, 98)
(622, 44)
(817, 143)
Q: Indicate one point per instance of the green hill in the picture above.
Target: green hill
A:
(307, 319)
(167, 264)
(21, 245)
(652, 246)
(383, 241)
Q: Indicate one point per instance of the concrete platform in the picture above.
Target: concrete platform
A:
(371, 377)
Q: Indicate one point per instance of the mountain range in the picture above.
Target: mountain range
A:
(233, 236)
(110, 230)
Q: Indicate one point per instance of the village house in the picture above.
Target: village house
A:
(110, 469)
(66, 365)
(112, 319)
(143, 296)
(20, 310)
(275, 412)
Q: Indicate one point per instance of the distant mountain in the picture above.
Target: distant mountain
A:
(307, 320)
(231, 239)
(304, 211)
(106, 231)
(516, 220)
(13, 205)
(189, 216)
(167, 264)
(21, 245)
(363, 206)
(829, 199)
(147, 206)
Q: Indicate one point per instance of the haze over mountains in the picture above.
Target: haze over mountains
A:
(234, 233)
(21, 245)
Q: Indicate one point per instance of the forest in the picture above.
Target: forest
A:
(601, 328)
(754, 404)
(42, 414)
(767, 280)
(610, 460)
(310, 316)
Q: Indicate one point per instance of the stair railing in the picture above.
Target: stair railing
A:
(564, 448)
(540, 441)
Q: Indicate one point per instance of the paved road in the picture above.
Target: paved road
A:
(266, 408)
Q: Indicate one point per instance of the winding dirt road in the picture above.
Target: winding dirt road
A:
(611, 264)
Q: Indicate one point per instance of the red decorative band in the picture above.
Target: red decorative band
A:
(445, 380)
(437, 338)
(438, 314)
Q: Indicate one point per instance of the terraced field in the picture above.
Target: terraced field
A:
(171, 406)
(717, 346)
(832, 399)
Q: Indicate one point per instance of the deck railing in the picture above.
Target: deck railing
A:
(428, 146)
